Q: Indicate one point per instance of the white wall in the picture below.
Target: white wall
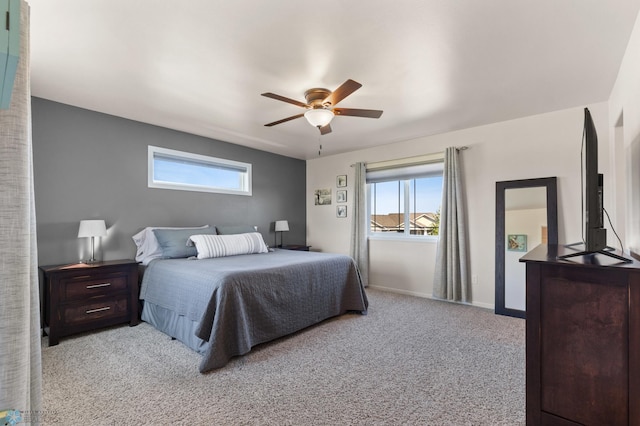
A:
(400, 266)
(532, 147)
(624, 127)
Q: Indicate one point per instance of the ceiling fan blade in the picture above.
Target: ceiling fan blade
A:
(283, 99)
(325, 129)
(355, 112)
(347, 88)
(284, 120)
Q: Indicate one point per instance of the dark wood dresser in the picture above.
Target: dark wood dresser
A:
(82, 297)
(583, 339)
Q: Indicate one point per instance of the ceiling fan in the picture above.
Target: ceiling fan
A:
(321, 104)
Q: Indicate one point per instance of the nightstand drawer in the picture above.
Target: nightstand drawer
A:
(87, 286)
(108, 309)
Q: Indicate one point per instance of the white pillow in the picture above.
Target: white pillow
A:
(147, 243)
(209, 246)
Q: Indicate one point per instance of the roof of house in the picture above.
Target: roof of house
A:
(396, 220)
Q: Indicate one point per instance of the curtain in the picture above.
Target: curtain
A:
(359, 225)
(451, 280)
(20, 362)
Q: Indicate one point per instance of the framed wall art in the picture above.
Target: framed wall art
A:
(322, 197)
(517, 242)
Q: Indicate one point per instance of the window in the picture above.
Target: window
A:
(170, 169)
(405, 199)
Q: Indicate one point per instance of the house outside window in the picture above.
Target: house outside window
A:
(404, 199)
(171, 169)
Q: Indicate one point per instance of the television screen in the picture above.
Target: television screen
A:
(595, 236)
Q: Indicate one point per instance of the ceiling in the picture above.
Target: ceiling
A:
(433, 66)
(525, 198)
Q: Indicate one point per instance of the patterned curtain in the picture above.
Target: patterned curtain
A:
(359, 225)
(451, 280)
(20, 358)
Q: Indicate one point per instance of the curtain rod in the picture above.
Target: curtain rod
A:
(408, 159)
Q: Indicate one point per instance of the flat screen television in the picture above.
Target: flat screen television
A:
(594, 234)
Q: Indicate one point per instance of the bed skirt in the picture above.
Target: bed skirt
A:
(176, 326)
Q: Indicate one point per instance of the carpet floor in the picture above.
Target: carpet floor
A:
(410, 361)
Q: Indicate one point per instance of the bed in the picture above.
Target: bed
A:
(221, 307)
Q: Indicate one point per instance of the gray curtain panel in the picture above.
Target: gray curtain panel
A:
(359, 225)
(20, 356)
(451, 280)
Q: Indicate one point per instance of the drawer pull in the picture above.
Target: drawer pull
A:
(99, 285)
(92, 311)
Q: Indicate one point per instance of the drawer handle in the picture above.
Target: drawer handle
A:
(99, 285)
(92, 311)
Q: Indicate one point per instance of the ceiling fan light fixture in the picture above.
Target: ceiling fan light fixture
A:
(319, 117)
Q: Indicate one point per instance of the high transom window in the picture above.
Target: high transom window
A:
(171, 169)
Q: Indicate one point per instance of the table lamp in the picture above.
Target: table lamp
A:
(92, 228)
(281, 226)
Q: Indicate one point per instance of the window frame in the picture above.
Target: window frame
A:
(244, 168)
(405, 184)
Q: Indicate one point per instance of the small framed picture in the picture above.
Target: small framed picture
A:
(341, 181)
(517, 242)
(341, 196)
(341, 211)
(322, 197)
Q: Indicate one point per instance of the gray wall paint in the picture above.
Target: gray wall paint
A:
(89, 165)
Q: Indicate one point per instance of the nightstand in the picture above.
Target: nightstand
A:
(295, 247)
(81, 297)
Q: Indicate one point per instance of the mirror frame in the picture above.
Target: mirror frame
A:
(550, 183)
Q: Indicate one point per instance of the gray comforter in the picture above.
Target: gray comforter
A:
(241, 301)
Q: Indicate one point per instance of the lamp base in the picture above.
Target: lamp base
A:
(93, 255)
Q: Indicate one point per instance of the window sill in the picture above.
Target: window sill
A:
(410, 239)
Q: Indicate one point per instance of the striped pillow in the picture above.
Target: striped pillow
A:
(209, 246)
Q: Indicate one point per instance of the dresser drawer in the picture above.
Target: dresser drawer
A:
(104, 310)
(87, 286)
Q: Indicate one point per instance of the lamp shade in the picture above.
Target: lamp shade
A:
(92, 228)
(282, 225)
(319, 117)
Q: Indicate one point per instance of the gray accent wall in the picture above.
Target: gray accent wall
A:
(89, 165)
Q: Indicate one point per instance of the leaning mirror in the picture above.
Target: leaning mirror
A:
(526, 216)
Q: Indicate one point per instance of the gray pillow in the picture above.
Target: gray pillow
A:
(173, 242)
(235, 229)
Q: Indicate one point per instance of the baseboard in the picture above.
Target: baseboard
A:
(428, 296)
(400, 291)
